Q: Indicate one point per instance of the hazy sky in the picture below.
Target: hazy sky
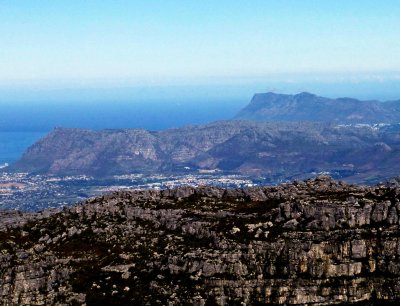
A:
(187, 41)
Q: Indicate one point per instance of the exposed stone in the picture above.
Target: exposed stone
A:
(316, 242)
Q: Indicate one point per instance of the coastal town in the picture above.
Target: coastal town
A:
(28, 192)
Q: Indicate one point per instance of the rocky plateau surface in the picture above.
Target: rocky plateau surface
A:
(314, 242)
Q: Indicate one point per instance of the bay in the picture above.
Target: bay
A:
(14, 144)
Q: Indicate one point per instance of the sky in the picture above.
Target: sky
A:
(63, 48)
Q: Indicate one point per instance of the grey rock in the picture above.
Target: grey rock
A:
(317, 242)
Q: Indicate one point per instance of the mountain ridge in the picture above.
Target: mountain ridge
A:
(279, 151)
(306, 106)
(345, 143)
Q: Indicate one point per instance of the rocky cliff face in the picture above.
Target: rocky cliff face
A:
(309, 107)
(278, 151)
(317, 242)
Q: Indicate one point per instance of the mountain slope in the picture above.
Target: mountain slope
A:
(276, 151)
(310, 107)
(316, 242)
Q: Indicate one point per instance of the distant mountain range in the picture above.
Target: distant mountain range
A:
(309, 107)
(342, 144)
(363, 153)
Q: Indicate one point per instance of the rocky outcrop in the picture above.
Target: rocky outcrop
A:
(274, 151)
(317, 242)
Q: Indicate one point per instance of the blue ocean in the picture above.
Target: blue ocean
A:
(13, 144)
